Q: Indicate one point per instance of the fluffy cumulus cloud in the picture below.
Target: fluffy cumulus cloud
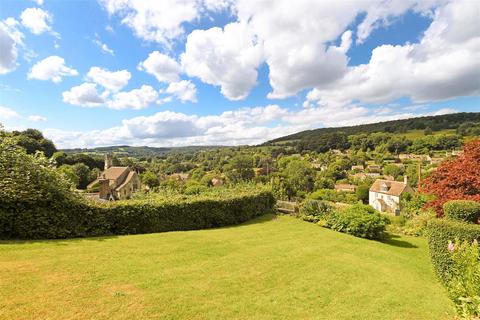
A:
(36, 20)
(183, 90)
(85, 95)
(7, 113)
(299, 55)
(134, 99)
(159, 21)
(52, 68)
(443, 65)
(305, 46)
(10, 41)
(163, 67)
(227, 58)
(111, 80)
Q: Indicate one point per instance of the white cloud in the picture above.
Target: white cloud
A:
(346, 41)
(7, 113)
(445, 64)
(227, 58)
(159, 21)
(111, 80)
(163, 67)
(183, 90)
(36, 20)
(85, 95)
(134, 99)
(236, 127)
(10, 41)
(52, 68)
(38, 2)
(103, 46)
(296, 41)
(37, 118)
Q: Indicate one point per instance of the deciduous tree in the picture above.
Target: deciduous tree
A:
(456, 179)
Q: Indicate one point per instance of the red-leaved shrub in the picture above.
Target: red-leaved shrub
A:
(457, 179)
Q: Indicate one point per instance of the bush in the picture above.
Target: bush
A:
(463, 210)
(464, 284)
(36, 201)
(314, 211)
(333, 196)
(417, 225)
(359, 220)
(440, 232)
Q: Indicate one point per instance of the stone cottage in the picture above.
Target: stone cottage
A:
(116, 183)
(385, 195)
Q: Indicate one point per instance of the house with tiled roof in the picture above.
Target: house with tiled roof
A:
(115, 183)
(385, 195)
(345, 187)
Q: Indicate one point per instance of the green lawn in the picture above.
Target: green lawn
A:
(271, 268)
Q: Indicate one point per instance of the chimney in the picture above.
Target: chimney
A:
(108, 160)
(405, 179)
(104, 189)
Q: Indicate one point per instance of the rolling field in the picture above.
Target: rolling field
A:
(270, 268)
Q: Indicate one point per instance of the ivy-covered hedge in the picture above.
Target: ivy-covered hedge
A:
(440, 232)
(463, 210)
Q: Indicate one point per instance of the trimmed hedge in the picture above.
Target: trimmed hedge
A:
(463, 210)
(145, 216)
(440, 232)
(133, 216)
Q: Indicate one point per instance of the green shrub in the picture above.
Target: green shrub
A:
(440, 232)
(464, 285)
(359, 220)
(333, 196)
(417, 225)
(314, 210)
(463, 210)
(36, 201)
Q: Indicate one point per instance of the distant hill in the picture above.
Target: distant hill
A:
(435, 123)
(128, 151)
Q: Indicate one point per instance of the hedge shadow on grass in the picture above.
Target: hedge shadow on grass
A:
(393, 241)
(64, 242)
(57, 242)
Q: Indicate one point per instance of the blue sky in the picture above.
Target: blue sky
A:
(163, 73)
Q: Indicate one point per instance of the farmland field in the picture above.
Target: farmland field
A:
(270, 268)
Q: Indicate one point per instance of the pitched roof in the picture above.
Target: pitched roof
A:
(127, 180)
(113, 173)
(394, 188)
(344, 186)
